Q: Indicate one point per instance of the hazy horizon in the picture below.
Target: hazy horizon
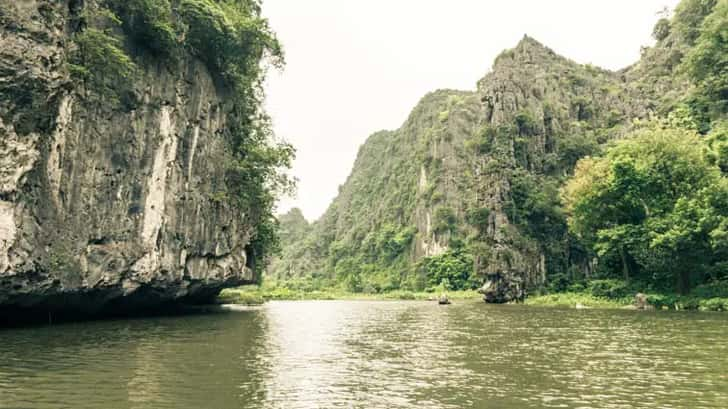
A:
(355, 68)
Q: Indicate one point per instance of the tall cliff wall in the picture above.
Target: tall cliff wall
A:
(106, 206)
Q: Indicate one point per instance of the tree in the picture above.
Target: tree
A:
(689, 15)
(452, 268)
(636, 207)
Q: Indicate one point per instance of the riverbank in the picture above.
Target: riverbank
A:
(252, 295)
(654, 301)
(572, 299)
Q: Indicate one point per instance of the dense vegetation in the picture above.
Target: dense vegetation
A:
(235, 43)
(653, 208)
(595, 179)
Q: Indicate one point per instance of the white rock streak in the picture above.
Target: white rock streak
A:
(157, 183)
(55, 171)
(7, 233)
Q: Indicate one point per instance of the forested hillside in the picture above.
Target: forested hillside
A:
(549, 175)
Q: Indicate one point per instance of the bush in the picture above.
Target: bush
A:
(716, 289)
(100, 62)
(405, 295)
(445, 219)
(661, 30)
(149, 23)
(229, 39)
(660, 301)
(452, 268)
(526, 125)
(576, 288)
(714, 304)
(484, 142)
(559, 283)
(478, 217)
(688, 303)
(583, 109)
(240, 296)
(609, 288)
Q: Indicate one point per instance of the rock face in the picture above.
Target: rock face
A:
(105, 206)
(538, 106)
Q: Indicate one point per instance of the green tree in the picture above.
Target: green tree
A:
(689, 16)
(453, 268)
(634, 205)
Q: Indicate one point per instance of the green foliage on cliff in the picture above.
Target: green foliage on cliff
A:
(149, 23)
(102, 62)
(99, 59)
(707, 62)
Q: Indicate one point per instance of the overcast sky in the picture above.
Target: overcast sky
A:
(358, 66)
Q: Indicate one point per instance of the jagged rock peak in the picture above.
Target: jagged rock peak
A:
(527, 51)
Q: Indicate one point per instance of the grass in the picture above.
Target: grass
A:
(612, 293)
(656, 301)
(699, 300)
(254, 295)
(235, 296)
(571, 299)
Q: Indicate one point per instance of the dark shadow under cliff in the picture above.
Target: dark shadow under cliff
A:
(74, 307)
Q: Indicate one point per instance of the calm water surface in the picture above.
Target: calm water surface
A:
(359, 354)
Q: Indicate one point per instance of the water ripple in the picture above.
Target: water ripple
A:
(373, 355)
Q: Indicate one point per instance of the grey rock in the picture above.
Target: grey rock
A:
(641, 303)
(103, 207)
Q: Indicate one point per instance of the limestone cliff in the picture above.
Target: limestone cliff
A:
(109, 206)
(473, 178)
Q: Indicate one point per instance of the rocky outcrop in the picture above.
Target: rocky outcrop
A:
(534, 101)
(107, 207)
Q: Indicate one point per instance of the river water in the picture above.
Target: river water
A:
(361, 354)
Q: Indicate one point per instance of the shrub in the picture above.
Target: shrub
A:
(485, 140)
(405, 295)
(559, 283)
(583, 109)
(149, 23)
(229, 39)
(100, 62)
(451, 269)
(443, 116)
(526, 125)
(609, 288)
(445, 219)
(660, 301)
(576, 288)
(714, 304)
(478, 217)
(662, 29)
(716, 289)
(240, 296)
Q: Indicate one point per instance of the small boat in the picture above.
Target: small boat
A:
(443, 300)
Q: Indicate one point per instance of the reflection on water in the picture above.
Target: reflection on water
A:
(373, 355)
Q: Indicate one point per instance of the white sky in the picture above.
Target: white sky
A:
(358, 66)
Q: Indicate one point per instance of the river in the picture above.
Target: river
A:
(362, 354)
